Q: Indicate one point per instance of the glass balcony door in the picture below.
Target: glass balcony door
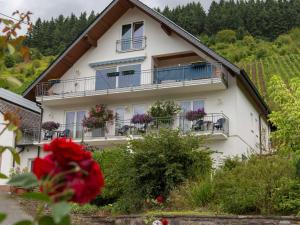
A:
(74, 124)
(132, 36)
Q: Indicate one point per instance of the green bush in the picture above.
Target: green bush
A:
(164, 109)
(226, 36)
(84, 209)
(116, 166)
(9, 61)
(36, 64)
(253, 186)
(166, 159)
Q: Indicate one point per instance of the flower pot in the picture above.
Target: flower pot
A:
(98, 132)
(19, 191)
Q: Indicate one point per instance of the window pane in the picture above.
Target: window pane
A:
(80, 116)
(70, 120)
(139, 109)
(126, 37)
(199, 104)
(138, 33)
(103, 81)
(130, 76)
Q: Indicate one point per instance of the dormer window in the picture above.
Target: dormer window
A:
(132, 37)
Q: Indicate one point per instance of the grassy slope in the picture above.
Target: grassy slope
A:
(22, 74)
(262, 59)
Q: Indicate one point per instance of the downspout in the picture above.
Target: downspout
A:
(260, 131)
(40, 127)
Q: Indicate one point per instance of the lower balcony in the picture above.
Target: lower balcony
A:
(214, 126)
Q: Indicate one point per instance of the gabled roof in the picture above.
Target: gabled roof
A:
(105, 20)
(18, 100)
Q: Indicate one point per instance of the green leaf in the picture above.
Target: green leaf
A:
(39, 196)
(2, 217)
(26, 180)
(46, 220)
(60, 210)
(3, 176)
(24, 222)
(16, 156)
(11, 48)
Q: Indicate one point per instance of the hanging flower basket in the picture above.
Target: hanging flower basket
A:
(195, 114)
(141, 119)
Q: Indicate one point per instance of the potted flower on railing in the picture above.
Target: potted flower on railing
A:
(97, 120)
(49, 127)
(142, 121)
(164, 113)
(196, 116)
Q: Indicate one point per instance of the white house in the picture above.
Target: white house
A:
(132, 56)
(29, 114)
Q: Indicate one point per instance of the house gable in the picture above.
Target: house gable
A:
(86, 43)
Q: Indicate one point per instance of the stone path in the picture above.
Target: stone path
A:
(12, 209)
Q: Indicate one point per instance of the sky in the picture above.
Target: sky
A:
(46, 9)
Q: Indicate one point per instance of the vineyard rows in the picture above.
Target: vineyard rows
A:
(260, 71)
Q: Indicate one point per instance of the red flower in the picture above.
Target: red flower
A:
(160, 199)
(164, 221)
(68, 172)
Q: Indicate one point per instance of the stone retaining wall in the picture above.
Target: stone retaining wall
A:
(199, 220)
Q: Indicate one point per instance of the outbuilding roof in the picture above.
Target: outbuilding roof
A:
(18, 100)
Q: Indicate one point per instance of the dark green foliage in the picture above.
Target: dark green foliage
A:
(9, 61)
(265, 185)
(164, 160)
(150, 167)
(52, 37)
(259, 18)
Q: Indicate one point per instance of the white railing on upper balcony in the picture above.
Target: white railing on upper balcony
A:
(132, 79)
(133, 44)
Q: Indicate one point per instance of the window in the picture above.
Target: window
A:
(139, 109)
(186, 106)
(132, 36)
(118, 77)
(74, 124)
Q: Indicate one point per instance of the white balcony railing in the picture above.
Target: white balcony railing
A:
(130, 80)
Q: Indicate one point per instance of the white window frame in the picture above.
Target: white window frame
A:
(131, 36)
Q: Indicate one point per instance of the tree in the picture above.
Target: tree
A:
(286, 114)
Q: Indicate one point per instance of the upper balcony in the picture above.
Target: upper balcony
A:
(189, 78)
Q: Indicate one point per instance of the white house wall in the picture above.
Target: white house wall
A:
(6, 160)
(243, 128)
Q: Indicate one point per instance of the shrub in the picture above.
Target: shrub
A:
(251, 186)
(166, 159)
(9, 61)
(84, 209)
(36, 64)
(116, 167)
(164, 109)
(226, 36)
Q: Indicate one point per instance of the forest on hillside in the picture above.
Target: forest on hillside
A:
(265, 19)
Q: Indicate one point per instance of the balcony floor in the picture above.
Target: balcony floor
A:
(168, 88)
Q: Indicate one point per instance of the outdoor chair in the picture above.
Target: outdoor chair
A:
(48, 135)
(219, 125)
(123, 130)
(66, 133)
(198, 126)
